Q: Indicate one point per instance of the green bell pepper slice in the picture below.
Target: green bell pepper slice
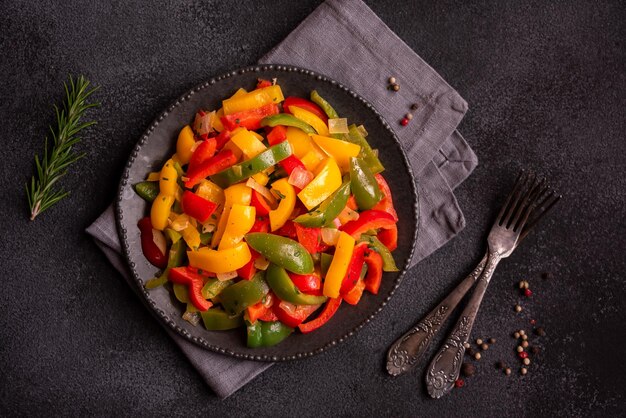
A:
(283, 287)
(325, 261)
(283, 251)
(286, 119)
(267, 334)
(176, 257)
(214, 287)
(326, 107)
(374, 243)
(215, 319)
(328, 210)
(363, 184)
(240, 172)
(147, 190)
(236, 298)
(366, 153)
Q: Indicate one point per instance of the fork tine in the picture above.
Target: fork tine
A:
(527, 186)
(521, 178)
(526, 206)
(539, 212)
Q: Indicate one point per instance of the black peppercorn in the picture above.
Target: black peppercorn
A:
(468, 369)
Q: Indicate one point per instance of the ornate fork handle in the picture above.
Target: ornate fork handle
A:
(445, 367)
(408, 349)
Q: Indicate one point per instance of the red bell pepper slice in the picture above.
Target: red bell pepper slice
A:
(374, 275)
(203, 273)
(248, 271)
(222, 139)
(354, 296)
(369, 219)
(306, 105)
(292, 315)
(290, 163)
(260, 204)
(213, 165)
(310, 238)
(352, 203)
(197, 207)
(329, 310)
(149, 248)
(389, 237)
(311, 284)
(249, 119)
(194, 283)
(261, 309)
(203, 152)
(353, 275)
(288, 230)
(269, 316)
(277, 135)
(262, 224)
(386, 203)
(262, 83)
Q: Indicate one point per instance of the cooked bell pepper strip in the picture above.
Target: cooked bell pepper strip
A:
(306, 105)
(282, 251)
(310, 238)
(324, 105)
(354, 296)
(175, 258)
(287, 120)
(310, 119)
(389, 237)
(249, 119)
(203, 153)
(191, 236)
(277, 135)
(222, 139)
(339, 266)
(213, 165)
(363, 184)
(328, 210)
(256, 311)
(253, 100)
(197, 207)
(374, 243)
(236, 298)
(160, 211)
(327, 312)
(307, 283)
(325, 260)
(261, 83)
(369, 219)
(150, 249)
(215, 319)
(354, 268)
(283, 287)
(386, 203)
(147, 190)
(287, 203)
(301, 143)
(240, 172)
(288, 230)
(214, 287)
(261, 205)
(291, 163)
(352, 203)
(340, 150)
(366, 153)
(325, 183)
(262, 224)
(292, 315)
(374, 275)
(267, 334)
(248, 143)
(194, 283)
(220, 261)
(210, 191)
(237, 194)
(184, 144)
(248, 271)
(240, 220)
(167, 179)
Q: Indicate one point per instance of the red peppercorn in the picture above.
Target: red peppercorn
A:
(522, 354)
(528, 293)
(459, 383)
(404, 122)
(533, 321)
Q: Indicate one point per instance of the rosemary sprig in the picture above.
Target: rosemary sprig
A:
(40, 192)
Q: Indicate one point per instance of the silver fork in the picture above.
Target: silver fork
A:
(406, 352)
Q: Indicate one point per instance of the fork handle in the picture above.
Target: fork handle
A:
(445, 367)
(405, 353)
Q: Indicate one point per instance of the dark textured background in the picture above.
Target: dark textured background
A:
(546, 87)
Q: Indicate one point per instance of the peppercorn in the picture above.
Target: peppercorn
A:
(507, 371)
(500, 364)
(409, 116)
(533, 321)
(519, 348)
(484, 346)
(522, 332)
(524, 337)
(547, 275)
(479, 341)
(516, 334)
(466, 345)
(524, 343)
(395, 87)
(528, 293)
(526, 361)
(492, 340)
(459, 383)
(468, 369)
(518, 308)
(521, 284)
(540, 332)
(477, 356)
(534, 349)
(392, 80)
(414, 106)
(523, 355)
(523, 371)
(404, 122)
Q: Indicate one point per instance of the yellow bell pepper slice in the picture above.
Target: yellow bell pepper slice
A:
(287, 194)
(253, 100)
(340, 150)
(234, 148)
(210, 191)
(312, 160)
(327, 180)
(248, 143)
(299, 140)
(310, 118)
(191, 236)
(339, 266)
(222, 261)
(261, 178)
(160, 211)
(154, 176)
(167, 179)
(236, 194)
(217, 120)
(184, 145)
(240, 221)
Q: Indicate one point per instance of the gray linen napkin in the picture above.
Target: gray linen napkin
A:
(366, 52)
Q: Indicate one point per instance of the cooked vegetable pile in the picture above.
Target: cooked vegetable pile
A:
(270, 213)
